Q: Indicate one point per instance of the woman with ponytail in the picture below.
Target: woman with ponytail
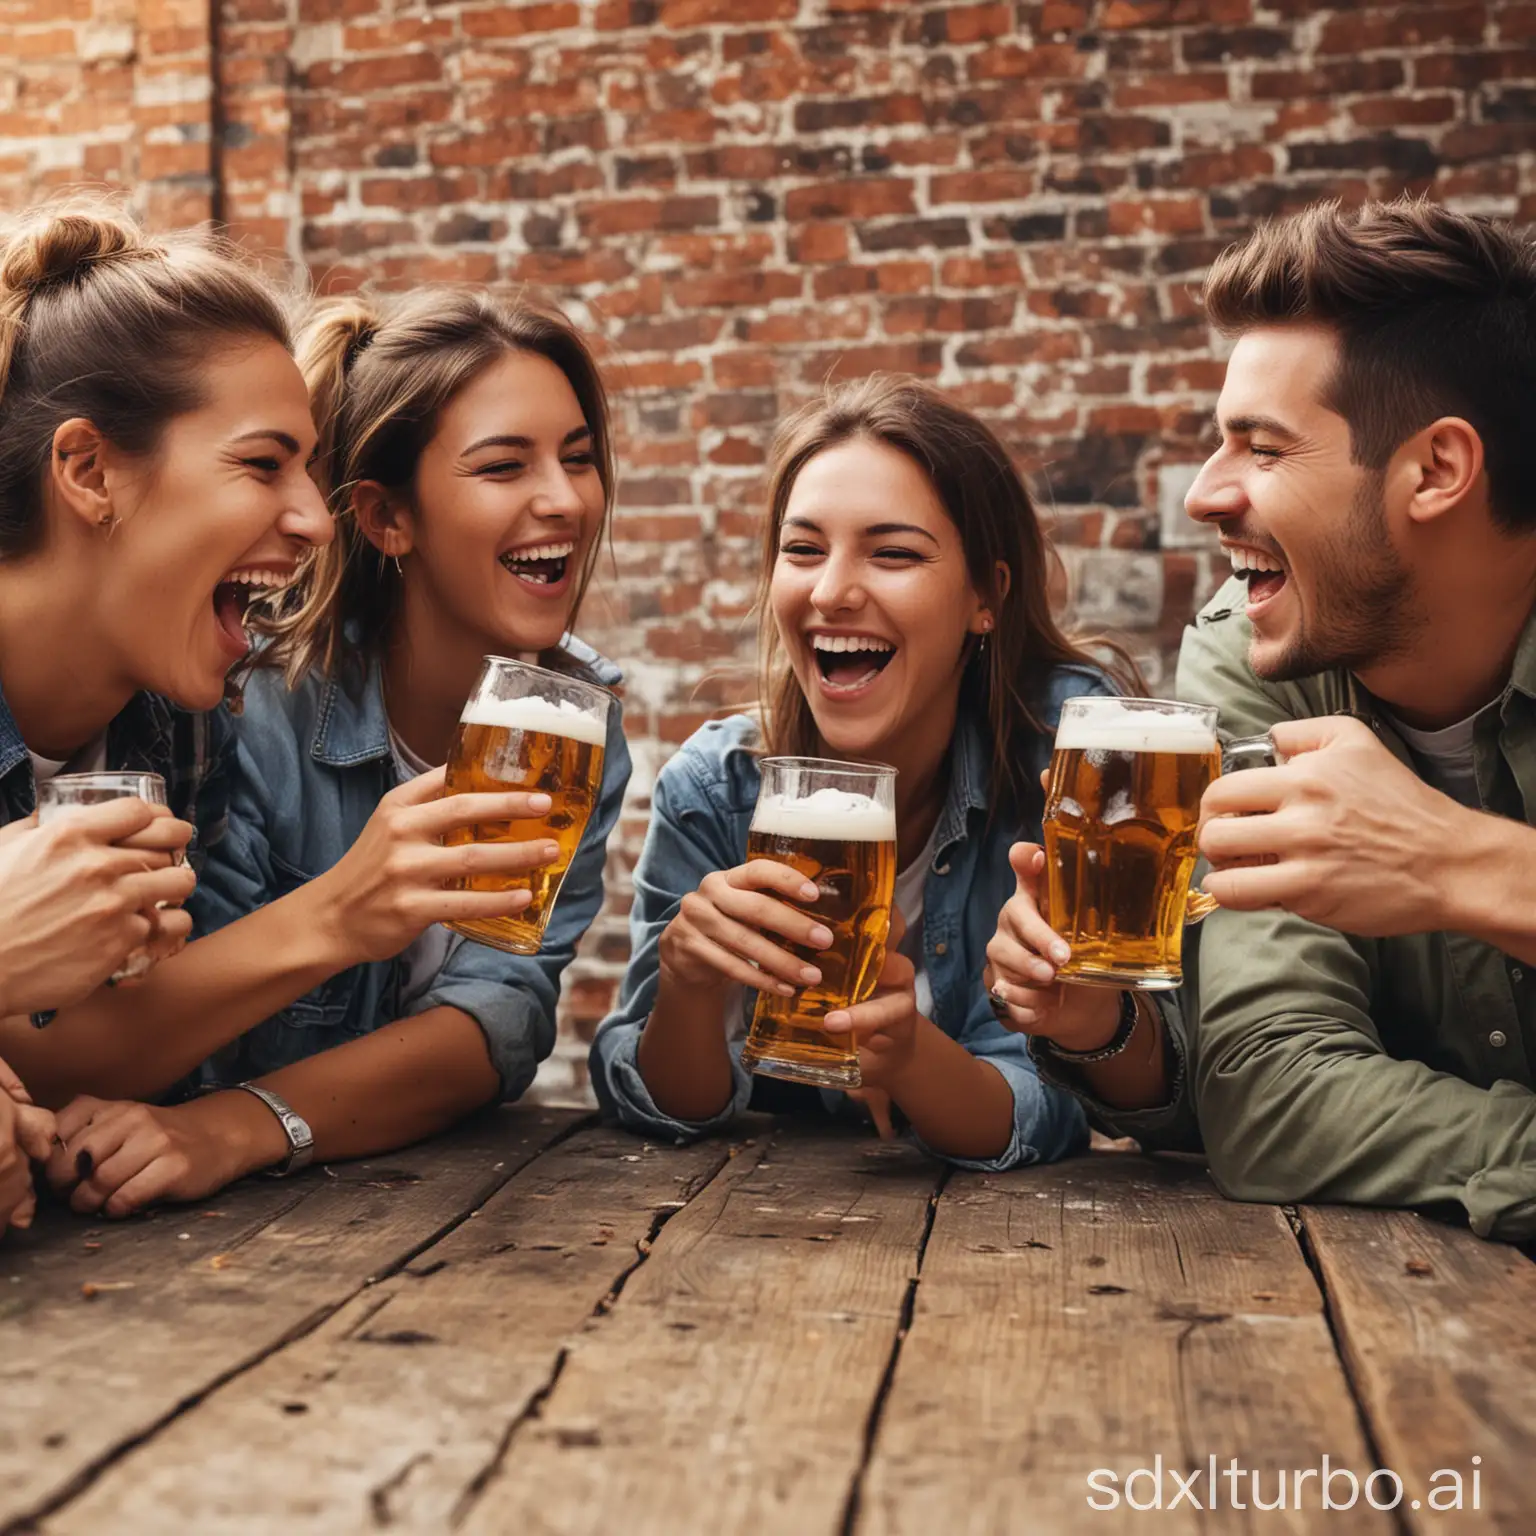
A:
(155, 438)
(905, 620)
(464, 446)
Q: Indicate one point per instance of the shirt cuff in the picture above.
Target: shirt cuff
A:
(623, 1092)
(518, 1033)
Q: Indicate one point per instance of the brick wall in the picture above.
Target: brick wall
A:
(741, 198)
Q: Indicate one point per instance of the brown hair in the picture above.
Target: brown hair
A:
(986, 499)
(102, 321)
(1435, 313)
(379, 372)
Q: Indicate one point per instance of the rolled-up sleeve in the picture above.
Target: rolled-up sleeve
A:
(688, 838)
(1166, 1127)
(514, 998)
(1048, 1122)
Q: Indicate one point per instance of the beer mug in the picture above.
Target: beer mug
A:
(57, 795)
(526, 728)
(1121, 815)
(836, 824)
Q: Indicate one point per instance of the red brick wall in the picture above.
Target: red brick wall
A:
(742, 198)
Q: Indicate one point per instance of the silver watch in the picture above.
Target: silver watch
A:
(301, 1140)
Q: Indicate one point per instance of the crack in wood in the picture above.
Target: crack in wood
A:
(883, 1391)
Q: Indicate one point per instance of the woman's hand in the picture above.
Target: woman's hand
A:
(1021, 970)
(393, 883)
(885, 1028)
(118, 1156)
(719, 933)
(79, 895)
(26, 1135)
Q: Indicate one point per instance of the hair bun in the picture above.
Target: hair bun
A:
(60, 244)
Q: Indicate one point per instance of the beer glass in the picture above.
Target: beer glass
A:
(1121, 813)
(55, 796)
(836, 824)
(526, 728)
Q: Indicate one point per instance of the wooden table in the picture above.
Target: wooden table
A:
(541, 1325)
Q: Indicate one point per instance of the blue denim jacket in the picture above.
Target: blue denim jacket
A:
(312, 765)
(701, 810)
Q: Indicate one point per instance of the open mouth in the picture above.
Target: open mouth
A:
(848, 663)
(1264, 574)
(541, 565)
(233, 597)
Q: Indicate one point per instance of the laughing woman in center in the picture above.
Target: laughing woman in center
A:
(905, 620)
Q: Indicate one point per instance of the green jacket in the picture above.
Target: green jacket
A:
(1392, 1072)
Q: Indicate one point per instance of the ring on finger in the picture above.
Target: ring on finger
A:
(998, 1002)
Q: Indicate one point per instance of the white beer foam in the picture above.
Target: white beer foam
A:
(1117, 728)
(831, 815)
(555, 717)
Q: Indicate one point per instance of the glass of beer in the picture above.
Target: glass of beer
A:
(836, 824)
(1121, 813)
(526, 728)
(57, 795)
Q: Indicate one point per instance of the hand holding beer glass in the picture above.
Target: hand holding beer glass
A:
(526, 728)
(835, 825)
(65, 794)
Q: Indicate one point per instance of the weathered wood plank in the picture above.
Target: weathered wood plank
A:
(81, 1378)
(728, 1389)
(1097, 1315)
(1438, 1330)
(387, 1413)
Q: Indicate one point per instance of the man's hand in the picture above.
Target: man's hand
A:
(119, 1156)
(1342, 834)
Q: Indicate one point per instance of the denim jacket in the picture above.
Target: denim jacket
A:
(701, 811)
(312, 765)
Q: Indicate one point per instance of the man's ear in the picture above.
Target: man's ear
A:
(384, 520)
(77, 473)
(1441, 467)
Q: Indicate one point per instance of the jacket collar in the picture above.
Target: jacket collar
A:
(968, 780)
(351, 727)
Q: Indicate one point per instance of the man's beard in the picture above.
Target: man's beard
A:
(1363, 599)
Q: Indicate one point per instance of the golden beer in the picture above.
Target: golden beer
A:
(843, 840)
(531, 743)
(1122, 810)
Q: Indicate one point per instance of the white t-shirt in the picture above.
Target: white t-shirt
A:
(427, 954)
(909, 902)
(91, 758)
(1444, 757)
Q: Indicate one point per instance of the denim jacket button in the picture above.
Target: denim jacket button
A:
(941, 948)
(1498, 1039)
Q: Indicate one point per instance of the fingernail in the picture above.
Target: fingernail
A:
(809, 892)
(1044, 973)
(85, 1165)
(784, 989)
(835, 1023)
(821, 937)
(809, 975)
(550, 852)
(538, 804)
(1060, 953)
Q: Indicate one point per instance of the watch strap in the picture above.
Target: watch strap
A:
(301, 1140)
